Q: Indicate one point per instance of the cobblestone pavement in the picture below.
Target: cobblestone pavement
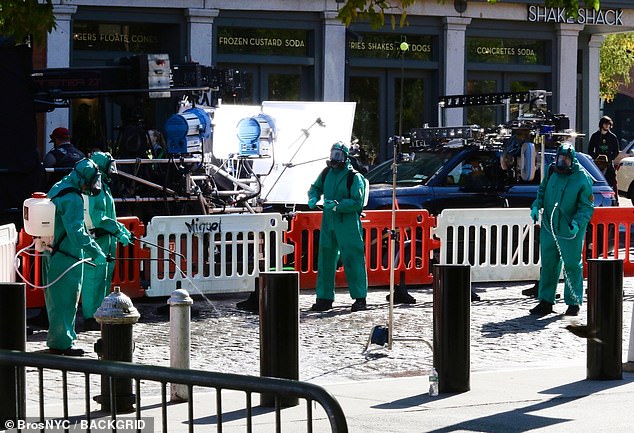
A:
(226, 339)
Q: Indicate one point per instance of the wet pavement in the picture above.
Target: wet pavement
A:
(331, 344)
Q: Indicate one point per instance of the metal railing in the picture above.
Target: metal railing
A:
(218, 382)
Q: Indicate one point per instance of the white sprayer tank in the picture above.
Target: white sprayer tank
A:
(39, 215)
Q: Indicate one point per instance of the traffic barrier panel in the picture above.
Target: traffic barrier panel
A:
(218, 253)
(127, 273)
(8, 242)
(130, 260)
(31, 268)
(610, 236)
(413, 246)
(498, 244)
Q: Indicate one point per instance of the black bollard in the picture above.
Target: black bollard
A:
(12, 337)
(605, 315)
(452, 304)
(279, 331)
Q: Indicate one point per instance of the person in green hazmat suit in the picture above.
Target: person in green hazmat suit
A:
(106, 230)
(341, 232)
(71, 244)
(565, 195)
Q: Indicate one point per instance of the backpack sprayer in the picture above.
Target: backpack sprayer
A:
(38, 214)
(39, 222)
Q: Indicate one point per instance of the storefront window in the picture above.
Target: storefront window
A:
(284, 87)
(386, 46)
(507, 51)
(132, 37)
(490, 116)
(413, 113)
(278, 42)
(483, 116)
(365, 92)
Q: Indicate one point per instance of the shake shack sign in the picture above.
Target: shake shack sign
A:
(542, 14)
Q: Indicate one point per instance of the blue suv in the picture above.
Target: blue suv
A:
(466, 176)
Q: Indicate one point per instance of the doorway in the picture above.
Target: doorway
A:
(491, 82)
(379, 112)
(252, 84)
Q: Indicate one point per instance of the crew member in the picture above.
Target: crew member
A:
(62, 155)
(71, 243)
(341, 232)
(604, 142)
(565, 195)
(106, 231)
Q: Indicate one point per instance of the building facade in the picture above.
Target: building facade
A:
(299, 50)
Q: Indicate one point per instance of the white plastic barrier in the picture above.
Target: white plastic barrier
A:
(222, 253)
(499, 244)
(8, 241)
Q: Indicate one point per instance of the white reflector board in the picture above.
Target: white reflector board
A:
(306, 131)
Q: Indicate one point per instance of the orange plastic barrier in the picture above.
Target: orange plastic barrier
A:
(127, 271)
(611, 236)
(31, 268)
(413, 247)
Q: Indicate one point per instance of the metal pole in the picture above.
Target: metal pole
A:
(392, 251)
(180, 346)
(12, 337)
(629, 365)
(279, 331)
(605, 315)
(452, 303)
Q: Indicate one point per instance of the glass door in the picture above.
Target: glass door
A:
(478, 83)
(381, 111)
(252, 84)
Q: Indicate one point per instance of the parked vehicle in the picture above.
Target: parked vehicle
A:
(437, 178)
(625, 177)
(627, 151)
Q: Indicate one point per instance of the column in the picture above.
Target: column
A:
(591, 95)
(200, 34)
(58, 56)
(454, 67)
(334, 58)
(565, 85)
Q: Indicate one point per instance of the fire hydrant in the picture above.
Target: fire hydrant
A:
(116, 315)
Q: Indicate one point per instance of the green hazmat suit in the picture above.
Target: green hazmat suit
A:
(567, 203)
(71, 243)
(341, 231)
(106, 231)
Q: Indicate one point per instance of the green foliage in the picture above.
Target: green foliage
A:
(373, 11)
(617, 58)
(22, 19)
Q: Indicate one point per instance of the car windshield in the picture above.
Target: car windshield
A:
(417, 171)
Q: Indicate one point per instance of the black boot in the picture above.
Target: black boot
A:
(542, 309)
(322, 305)
(359, 305)
(401, 296)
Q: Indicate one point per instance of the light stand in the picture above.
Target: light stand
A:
(396, 143)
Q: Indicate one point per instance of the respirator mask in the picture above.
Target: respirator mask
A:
(564, 158)
(338, 157)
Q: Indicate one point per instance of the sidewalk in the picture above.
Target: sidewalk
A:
(527, 373)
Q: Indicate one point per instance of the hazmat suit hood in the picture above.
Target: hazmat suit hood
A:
(339, 156)
(84, 178)
(106, 164)
(566, 161)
